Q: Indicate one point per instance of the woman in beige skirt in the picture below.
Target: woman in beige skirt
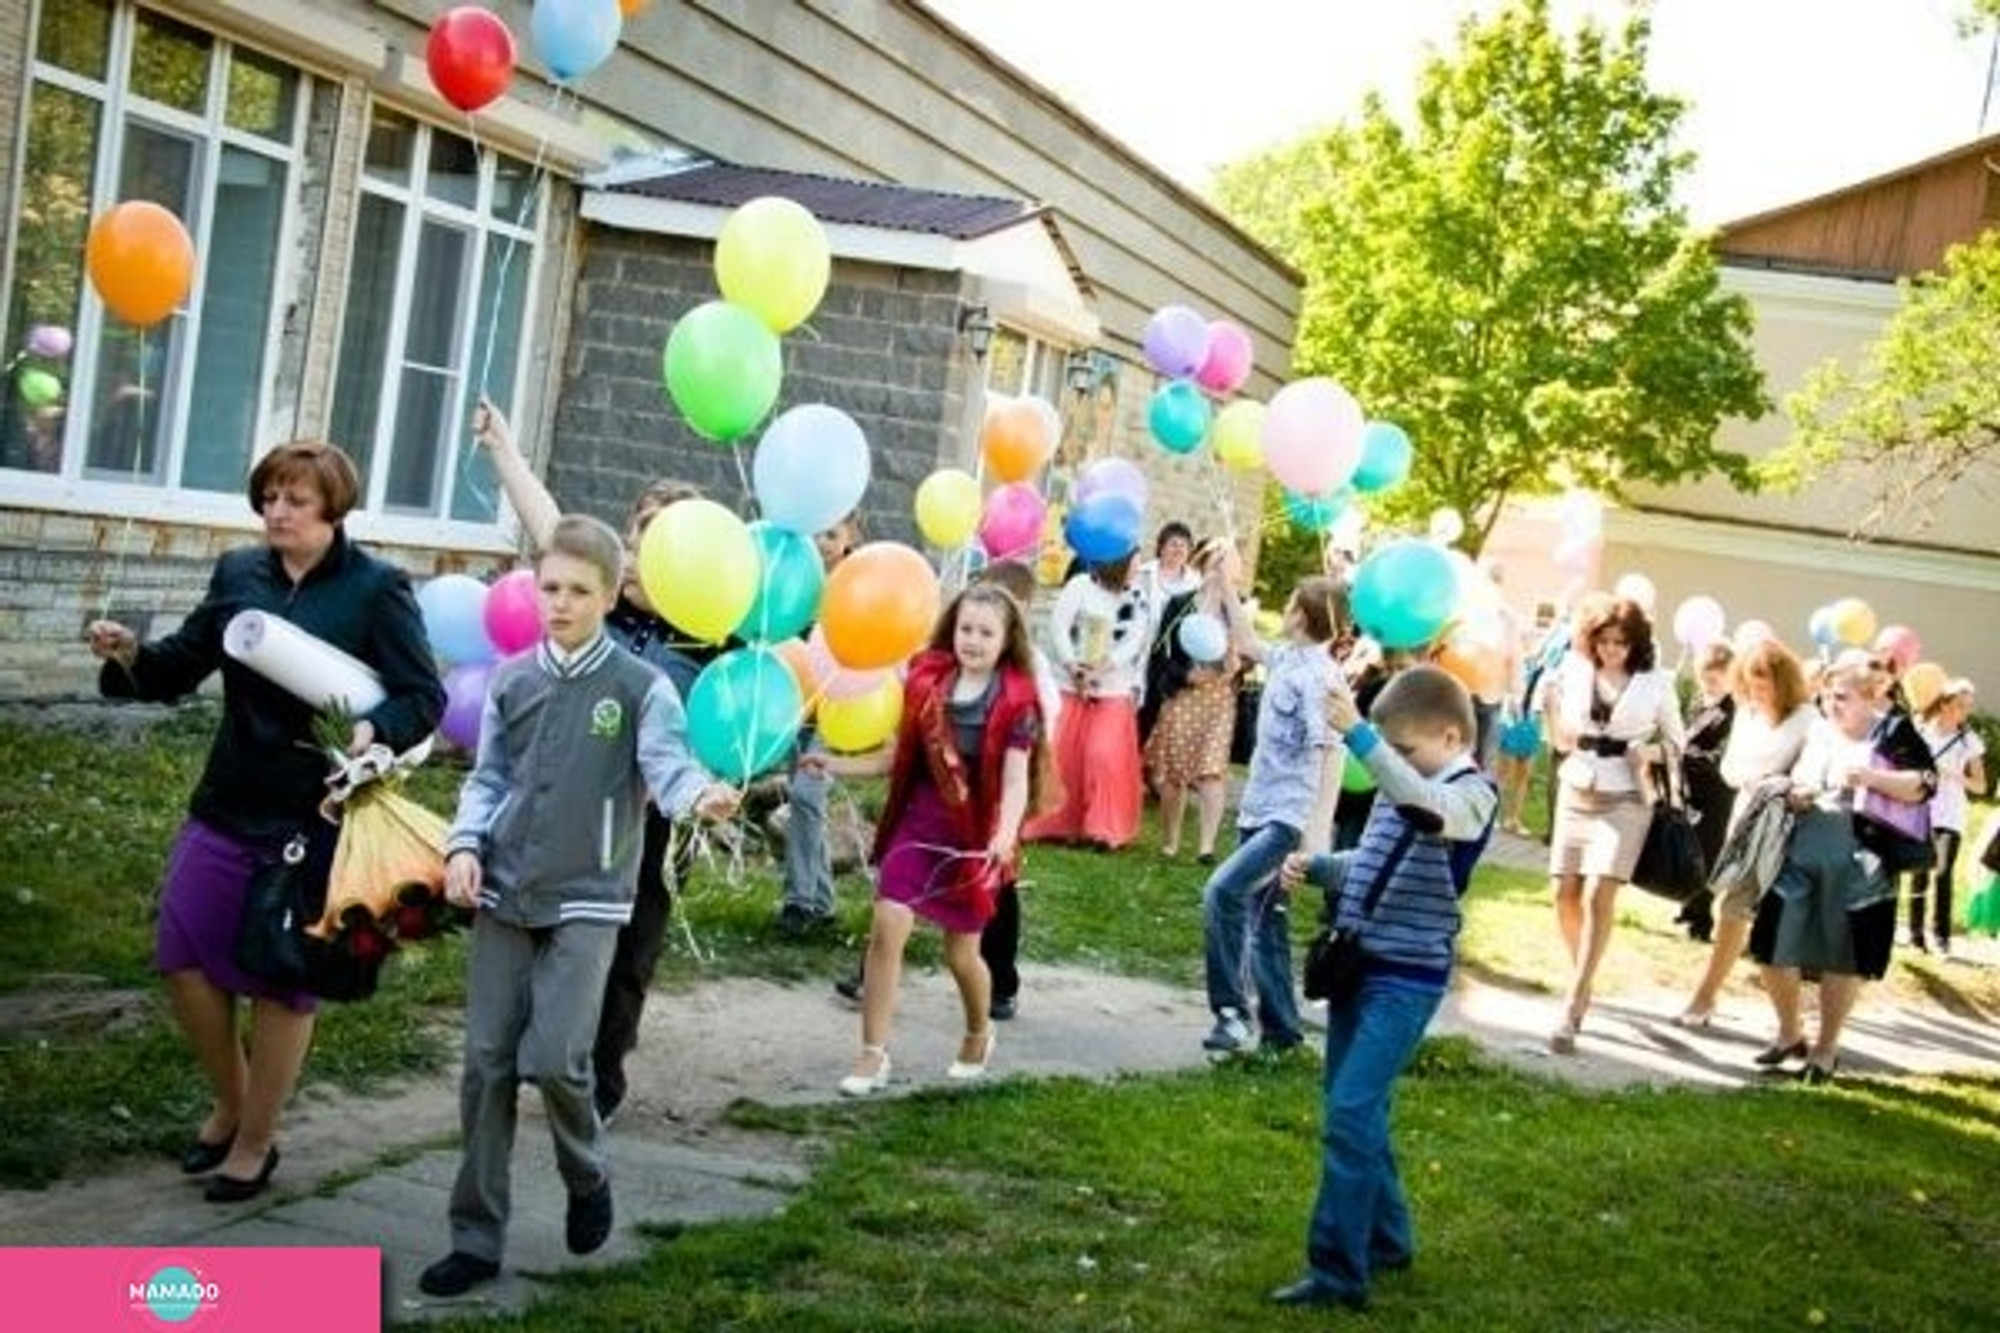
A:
(1615, 714)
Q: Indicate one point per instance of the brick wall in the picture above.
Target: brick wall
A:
(881, 348)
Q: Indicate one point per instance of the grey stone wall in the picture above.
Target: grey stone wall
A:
(882, 347)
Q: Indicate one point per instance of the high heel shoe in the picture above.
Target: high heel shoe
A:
(1563, 1040)
(964, 1070)
(1777, 1053)
(861, 1085)
(203, 1157)
(234, 1189)
(1693, 1020)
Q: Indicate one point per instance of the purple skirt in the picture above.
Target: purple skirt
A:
(923, 865)
(201, 907)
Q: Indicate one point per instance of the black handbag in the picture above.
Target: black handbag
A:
(287, 894)
(1671, 864)
(1335, 963)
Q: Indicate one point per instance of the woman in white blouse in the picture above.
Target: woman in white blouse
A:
(1773, 714)
(1615, 714)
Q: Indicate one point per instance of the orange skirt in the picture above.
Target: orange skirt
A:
(1097, 756)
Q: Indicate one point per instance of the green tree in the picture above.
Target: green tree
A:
(1923, 410)
(1510, 278)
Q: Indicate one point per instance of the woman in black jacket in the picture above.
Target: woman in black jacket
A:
(264, 780)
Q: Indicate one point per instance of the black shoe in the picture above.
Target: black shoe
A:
(456, 1274)
(1774, 1055)
(796, 922)
(607, 1104)
(1205, 858)
(233, 1189)
(1311, 1291)
(849, 986)
(1002, 1008)
(202, 1158)
(588, 1224)
(1814, 1076)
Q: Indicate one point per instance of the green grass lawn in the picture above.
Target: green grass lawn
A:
(1157, 1203)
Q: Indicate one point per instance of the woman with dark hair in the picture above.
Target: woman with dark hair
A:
(1711, 716)
(1615, 714)
(1167, 577)
(264, 780)
(1189, 749)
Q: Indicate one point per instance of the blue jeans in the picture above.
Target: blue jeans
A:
(1361, 1221)
(808, 859)
(1247, 930)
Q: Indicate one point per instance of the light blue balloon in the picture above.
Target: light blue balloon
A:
(1316, 513)
(1404, 593)
(1820, 628)
(1104, 527)
(743, 714)
(454, 611)
(1203, 638)
(811, 468)
(789, 588)
(1385, 458)
(574, 37)
(1179, 416)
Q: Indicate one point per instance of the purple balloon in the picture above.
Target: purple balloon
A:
(464, 702)
(1011, 528)
(51, 341)
(1110, 476)
(1176, 341)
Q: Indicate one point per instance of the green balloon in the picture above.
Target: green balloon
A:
(722, 370)
(1355, 777)
(39, 388)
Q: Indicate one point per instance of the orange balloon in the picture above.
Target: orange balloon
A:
(1477, 667)
(879, 606)
(798, 659)
(1016, 441)
(631, 7)
(140, 260)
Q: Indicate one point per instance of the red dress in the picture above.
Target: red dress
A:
(942, 810)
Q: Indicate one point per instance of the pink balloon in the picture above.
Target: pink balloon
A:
(1227, 364)
(1901, 644)
(839, 682)
(512, 615)
(464, 704)
(1578, 555)
(1110, 476)
(1011, 527)
(1312, 435)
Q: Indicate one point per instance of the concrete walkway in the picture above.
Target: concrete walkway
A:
(376, 1171)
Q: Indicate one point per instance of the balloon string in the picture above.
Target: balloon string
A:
(111, 588)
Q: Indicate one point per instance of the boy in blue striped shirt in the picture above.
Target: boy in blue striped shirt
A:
(1399, 890)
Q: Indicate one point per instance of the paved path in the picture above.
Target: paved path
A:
(376, 1171)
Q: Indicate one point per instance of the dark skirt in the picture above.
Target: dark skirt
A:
(1827, 910)
(201, 909)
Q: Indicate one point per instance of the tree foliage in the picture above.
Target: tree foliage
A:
(1509, 277)
(1923, 410)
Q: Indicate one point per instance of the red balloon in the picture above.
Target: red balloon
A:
(471, 56)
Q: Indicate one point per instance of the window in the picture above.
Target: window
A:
(1018, 363)
(436, 299)
(126, 103)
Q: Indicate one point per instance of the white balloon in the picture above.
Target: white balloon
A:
(1637, 588)
(1446, 526)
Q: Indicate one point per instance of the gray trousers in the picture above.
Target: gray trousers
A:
(808, 860)
(531, 1016)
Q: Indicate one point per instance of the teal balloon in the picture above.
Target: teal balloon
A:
(1179, 416)
(1316, 513)
(743, 714)
(789, 587)
(722, 368)
(1385, 458)
(1404, 593)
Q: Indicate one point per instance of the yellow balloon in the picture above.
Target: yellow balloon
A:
(1922, 684)
(850, 726)
(699, 566)
(1239, 434)
(1852, 621)
(772, 258)
(947, 507)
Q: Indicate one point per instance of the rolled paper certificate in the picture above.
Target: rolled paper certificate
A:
(310, 668)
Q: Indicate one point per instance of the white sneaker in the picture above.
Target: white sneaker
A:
(1230, 1033)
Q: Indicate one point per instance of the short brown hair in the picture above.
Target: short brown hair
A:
(657, 496)
(1323, 603)
(1426, 698)
(325, 466)
(1629, 619)
(1770, 660)
(1017, 577)
(592, 541)
(1715, 656)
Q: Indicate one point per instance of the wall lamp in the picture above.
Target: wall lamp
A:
(1080, 370)
(976, 323)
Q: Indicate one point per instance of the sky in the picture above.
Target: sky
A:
(1788, 98)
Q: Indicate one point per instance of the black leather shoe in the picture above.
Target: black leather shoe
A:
(1311, 1291)
(202, 1157)
(234, 1189)
(456, 1274)
(1814, 1076)
(1774, 1055)
(849, 987)
(588, 1224)
(1002, 1008)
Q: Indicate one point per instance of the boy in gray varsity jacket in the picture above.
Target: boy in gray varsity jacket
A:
(545, 847)
(1399, 890)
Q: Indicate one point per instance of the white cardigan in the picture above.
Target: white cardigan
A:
(1086, 628)
(1647, 709)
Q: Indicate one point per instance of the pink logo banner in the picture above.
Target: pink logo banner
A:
(200, 1289)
